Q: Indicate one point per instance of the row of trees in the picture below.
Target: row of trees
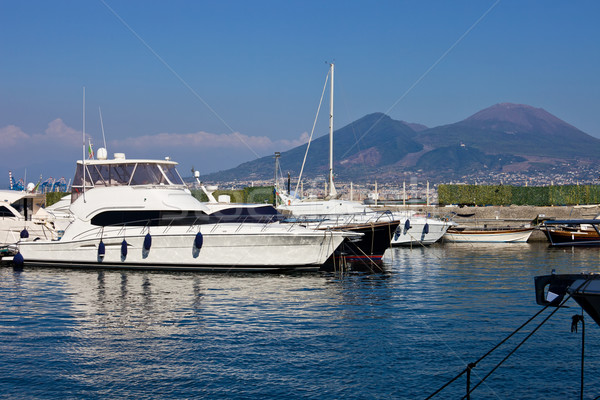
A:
(257, 195)
(518, 195)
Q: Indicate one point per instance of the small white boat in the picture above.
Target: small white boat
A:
(139, 214)
(488, 234)
(22, 217)
(416, 229)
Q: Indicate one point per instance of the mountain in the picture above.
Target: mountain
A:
(462, 159)
(364, 145)
(502, 138)
(514, 129)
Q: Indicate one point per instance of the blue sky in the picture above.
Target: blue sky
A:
(186, 79)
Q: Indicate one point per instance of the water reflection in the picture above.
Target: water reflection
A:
(399, 333)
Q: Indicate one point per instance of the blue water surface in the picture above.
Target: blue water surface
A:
(397, 334)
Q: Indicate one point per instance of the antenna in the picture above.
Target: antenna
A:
(83, 147)
(277, 155)
(102, 126)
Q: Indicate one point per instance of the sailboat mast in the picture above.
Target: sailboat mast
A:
(83, 149)
(332, 192)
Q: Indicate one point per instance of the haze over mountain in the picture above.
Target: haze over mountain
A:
(502, 138)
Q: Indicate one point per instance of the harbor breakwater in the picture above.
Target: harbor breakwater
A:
(508, 215)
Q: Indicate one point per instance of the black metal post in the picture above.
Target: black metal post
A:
(582, 352)
(469, 368)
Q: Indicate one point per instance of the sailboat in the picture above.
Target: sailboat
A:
(332, 213)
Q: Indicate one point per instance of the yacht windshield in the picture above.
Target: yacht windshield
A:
(172, 174)
(148, 174)
(124, 173)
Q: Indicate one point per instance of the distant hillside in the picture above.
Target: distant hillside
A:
(515, 129)
(462, 159)
(503, 137)
(382, 142)
(415, 127)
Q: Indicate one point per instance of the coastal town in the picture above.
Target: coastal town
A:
(418, 189)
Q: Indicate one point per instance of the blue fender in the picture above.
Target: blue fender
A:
(198, 240)
(147, 242)
(18, 260)
(124, 249)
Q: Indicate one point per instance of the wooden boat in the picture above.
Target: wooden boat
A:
(576, 232)
(463, 234)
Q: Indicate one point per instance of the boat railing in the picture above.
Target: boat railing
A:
(143, 226)
(324, 221)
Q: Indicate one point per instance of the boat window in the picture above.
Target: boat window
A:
(172, 174)
(99, 174)
(263, 214)
(19, 205)
(5, 212)
(120, 174)
(78, 179)
(151, 218)
(148, 174)
(123, 174)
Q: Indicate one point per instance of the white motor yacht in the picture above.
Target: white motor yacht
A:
(22, 217)
(140, 214)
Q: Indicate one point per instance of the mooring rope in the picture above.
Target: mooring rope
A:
(512, 352)
(367, 257)
(470, 366)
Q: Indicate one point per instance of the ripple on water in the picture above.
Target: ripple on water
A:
(401, 333)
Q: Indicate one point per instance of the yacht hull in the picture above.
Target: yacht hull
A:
(421, 231)
(220, 251)
(368, 249)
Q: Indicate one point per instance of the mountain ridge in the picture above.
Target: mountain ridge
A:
(504, 137)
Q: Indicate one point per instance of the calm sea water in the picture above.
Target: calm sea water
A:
(398, 334)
